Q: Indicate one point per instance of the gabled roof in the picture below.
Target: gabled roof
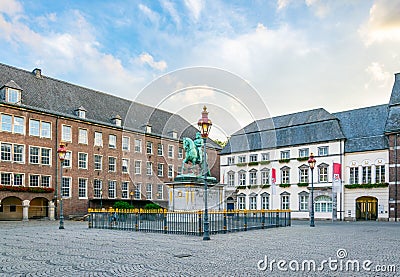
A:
(59, 97)
(393, 120)
(364, 128)
(11, 84)
(293, 129)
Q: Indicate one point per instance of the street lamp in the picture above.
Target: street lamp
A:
(62, 152)
(131, 195)
(205, 126)
(311, 163)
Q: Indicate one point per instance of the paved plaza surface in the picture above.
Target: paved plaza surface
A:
(39, 248)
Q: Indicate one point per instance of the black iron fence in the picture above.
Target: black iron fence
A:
(187, 222)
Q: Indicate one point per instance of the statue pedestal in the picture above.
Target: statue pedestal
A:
(186, 193)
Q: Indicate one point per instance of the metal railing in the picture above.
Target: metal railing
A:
(187, 222)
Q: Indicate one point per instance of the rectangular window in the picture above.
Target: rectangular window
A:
(34, 180)
(98, 139)
(112, 164)
(231, 179)
(124, 189)
(323, 174)
(67, 160)
(179, 171)
(45, 181)
(303, 153)
(149, 168)
(138, 167)
(366, 177)
(285, 155)
(265, 177)
(253, 177)
(112, 141)
(82, 188)
(242, 178)
(34, 127)
(98, 162)
(6, 179)
(19, 124)
(45, 156)
(34, 155)
(231, 160)
(97, 188)
(180, 153)
(138, 146)
(6, 123)
(242, 159)
(241, 202)
(13, 95)
(170, 171)
(253, 157)
(111, 189)
(303, 205)
(138, 191)
(323, 151)
(6, 152)
(19, 153)
(160, 170)
(125, 143)
(149, 147)
(149, 191)
(380, 174)
(82, 160)
(45, 131)
(285, 204)
(83, 136)
(253, 203)
(125, 165)
(353, 175)
(66, 133)
(160, 149)
(265, 202)
(265, 156)
(285, 176)
(66, 187)
(170, 151)
(159, 191)
(18, 179)
(303, 175)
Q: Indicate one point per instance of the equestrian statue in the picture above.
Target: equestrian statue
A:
(193, 152)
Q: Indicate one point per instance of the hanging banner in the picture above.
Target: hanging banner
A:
(273, 179)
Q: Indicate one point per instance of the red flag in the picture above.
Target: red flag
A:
(273, 176)
(336, 169)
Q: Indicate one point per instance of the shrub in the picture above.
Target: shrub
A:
(151, 206)
(122, 205)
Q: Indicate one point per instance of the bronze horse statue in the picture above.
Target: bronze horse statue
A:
(192, 153)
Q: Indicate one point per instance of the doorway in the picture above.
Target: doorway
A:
(366, 208)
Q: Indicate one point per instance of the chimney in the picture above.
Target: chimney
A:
(37, 72)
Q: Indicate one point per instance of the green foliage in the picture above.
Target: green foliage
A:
(220, 143)
(264, 162)
(284, 161)
(302, 184)
(302, 159)
(241, 164)
(26, 189)
(151, 206)
(241, 187)
(122, 205)
(367, 186)
(265, 186)
(284, 185)
(253, 163)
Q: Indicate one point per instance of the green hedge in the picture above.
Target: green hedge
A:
(302, 184)
(284, 161)
(366, 186)
(284, 185)
(26, 189)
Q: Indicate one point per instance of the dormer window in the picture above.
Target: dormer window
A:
(148, 128)
(116, 120)
(81, 112)
(11, 92)
(174, 134)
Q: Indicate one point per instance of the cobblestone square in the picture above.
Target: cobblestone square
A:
(39, 248)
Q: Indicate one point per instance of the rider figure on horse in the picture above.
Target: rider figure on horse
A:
(198, 142)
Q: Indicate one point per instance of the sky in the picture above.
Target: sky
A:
(288, 55)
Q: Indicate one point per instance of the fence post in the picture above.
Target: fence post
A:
(245, 220)
(262, 219)
(277, 219)
(165, 222)
(137, 221)
(200, 223)
(225, 228)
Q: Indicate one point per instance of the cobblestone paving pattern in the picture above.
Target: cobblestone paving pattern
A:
(39, 248)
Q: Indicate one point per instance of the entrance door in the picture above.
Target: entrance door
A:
(366, 208)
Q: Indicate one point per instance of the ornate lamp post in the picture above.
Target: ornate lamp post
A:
(311, 163)
(131, 195)
(62, 152)
(205, 126)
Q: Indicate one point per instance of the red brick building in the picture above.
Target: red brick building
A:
(117, 149)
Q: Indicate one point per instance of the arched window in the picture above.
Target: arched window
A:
(323, 204)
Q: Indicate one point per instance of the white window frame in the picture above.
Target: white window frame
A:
(83, 136)
(112, 189)
(170, 151)
(112, 164)
(98, 139)
(80, 161)
(138, 146)
(138, 167)
(126, 141)
(66, 133)
(98, 165)
(82, 187)
(112, 141)
(125, 166)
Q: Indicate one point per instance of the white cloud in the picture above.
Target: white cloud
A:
(195, 7)
(378, 75)
(282, 4)
(152, 15)
(146, 58)
(383, 23)
(170, 8)
(10, 7)
(320, 8)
